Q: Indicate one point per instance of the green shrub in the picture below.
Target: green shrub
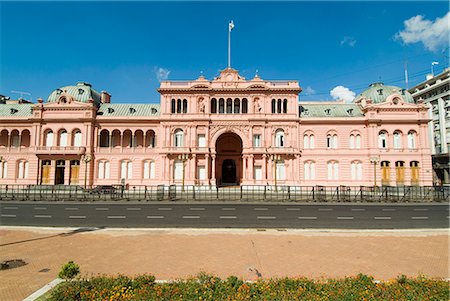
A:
(69, 271)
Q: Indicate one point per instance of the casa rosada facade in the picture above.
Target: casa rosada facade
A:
(227, 131)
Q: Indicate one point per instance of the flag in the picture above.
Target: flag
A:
(230, 25)
(435, 63)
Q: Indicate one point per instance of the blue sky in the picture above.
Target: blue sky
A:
(123, 47)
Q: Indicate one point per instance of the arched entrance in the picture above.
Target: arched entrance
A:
(229, 159)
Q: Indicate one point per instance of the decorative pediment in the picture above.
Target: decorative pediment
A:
(229, 75)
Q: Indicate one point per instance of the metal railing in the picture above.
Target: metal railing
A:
(244, 193)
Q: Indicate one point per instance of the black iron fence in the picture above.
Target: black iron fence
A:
(244, 193)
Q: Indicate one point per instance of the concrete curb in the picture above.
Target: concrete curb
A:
(43, 290)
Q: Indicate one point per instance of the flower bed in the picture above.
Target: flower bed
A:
(207, 287)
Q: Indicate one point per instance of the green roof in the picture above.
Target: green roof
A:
(378, 93)
(330, 110)
(82, 92)
(129, 110)
(16, 110)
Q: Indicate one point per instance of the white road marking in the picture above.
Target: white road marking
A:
(358, 209)
(155, 216)
(227, 217)
(388, 209)
(8, 215)
(77, 216)
(382, 217)
(345, 217)
(307, 217)
(70, 208)
(10, 208)
(419, 217)
(43, 216)
(191, 216)
(260, 209)
(165, 209)
(228, 209)
(134, 209)
(116, 216)
(266, 217)
(420, 209)
(325, 209)
(293, 209)
(102, 209)
(197, 209)
(40, 208)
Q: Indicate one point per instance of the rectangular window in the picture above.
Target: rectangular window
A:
(101, 169)
(178, 170)
(201, 140)
(257, 140)
(201, 172)
(281, 174)
(257, 173)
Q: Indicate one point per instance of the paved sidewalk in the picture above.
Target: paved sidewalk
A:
(178, 253)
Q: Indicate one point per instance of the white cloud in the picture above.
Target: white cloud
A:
(309, 91)
(350, 41)
(431, 34)
(161, 73)
(342, 93)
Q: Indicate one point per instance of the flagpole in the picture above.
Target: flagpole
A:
(229, 47)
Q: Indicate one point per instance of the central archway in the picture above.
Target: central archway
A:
(229, 159)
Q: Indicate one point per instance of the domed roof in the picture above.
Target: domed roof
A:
(378, 93)
(82, 92)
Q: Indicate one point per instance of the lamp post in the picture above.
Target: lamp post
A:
(275, 158)
(183, 158)
(86, 159)
(432, 68)
(374, 161)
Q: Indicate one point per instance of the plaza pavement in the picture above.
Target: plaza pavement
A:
(179, 253)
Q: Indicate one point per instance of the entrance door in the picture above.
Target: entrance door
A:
(228, 172)
(59, 172)
(45, 172)
(385, 173)
(74, 172)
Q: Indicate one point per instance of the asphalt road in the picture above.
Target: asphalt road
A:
(231, 215)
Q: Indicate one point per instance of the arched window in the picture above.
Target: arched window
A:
(178, 105)
(382, 139)
(306, 141)
(3, 169)
(237, 106)
(332, 141)
(213, 106)
(22, 169)
(77, 138)
(149, 169)
(229, 106)
(179, 138)
(150, 137)
(104, 169)
(173, 106)
(274, 105)
(63, 138)
(49, 138)
(185, 106)
(285, 105)
(279, 138)
(104, 138)
(310, 170)
(333, 170)
(411, 139)
(244, 106)
(397, 139)
(279, 106)
(221, 106)
(351, 141)
(356, 170)
(358, 141)
(126, 169)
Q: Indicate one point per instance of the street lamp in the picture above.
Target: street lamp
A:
(183, 158)
(432, 68)
(275, 158)
(374, 161)
(86, 159)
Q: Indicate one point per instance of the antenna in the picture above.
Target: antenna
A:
(22, 93)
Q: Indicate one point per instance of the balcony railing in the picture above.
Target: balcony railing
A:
(65, 150)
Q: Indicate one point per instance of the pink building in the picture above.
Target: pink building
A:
(227, 131)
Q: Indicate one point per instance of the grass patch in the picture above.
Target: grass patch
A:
(208, 287)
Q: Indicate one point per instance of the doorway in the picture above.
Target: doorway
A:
(59, 172)
(229, 169)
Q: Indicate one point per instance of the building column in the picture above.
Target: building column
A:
(264, 168)
(213, 169)
(193, 168)
(207, 168)
(251, 168)
(244, 167)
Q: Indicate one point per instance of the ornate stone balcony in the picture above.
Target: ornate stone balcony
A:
(60, 150)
